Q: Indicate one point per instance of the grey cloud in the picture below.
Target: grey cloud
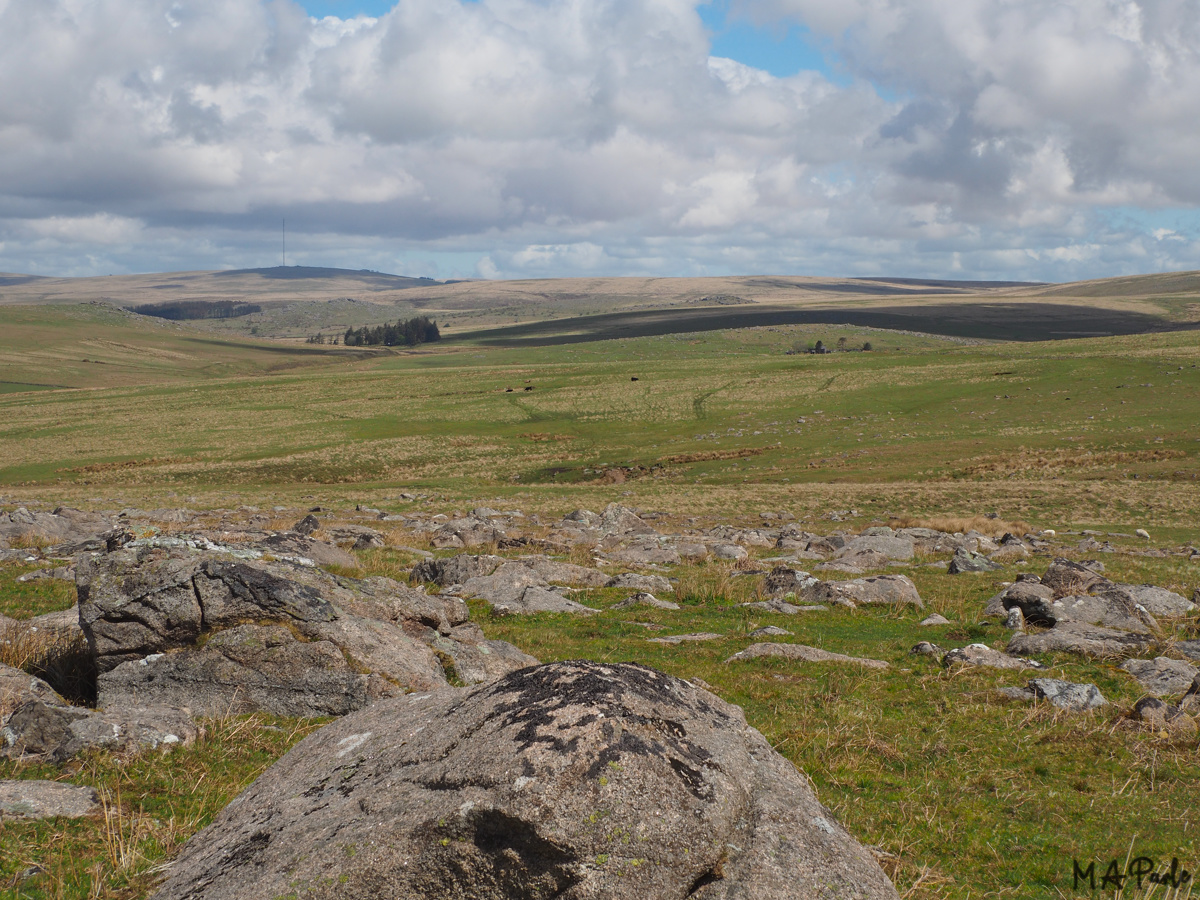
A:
(543, 137)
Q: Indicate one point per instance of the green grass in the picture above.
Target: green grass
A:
(971, 796)
(32, 598)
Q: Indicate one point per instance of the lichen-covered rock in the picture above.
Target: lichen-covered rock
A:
(1079, 637)
(318, 645)
(1162, 677)
(805, 654)
(877, 590)
(35, 799)
(983, 655)
(571, 780)
(18, 687)
(1067, 695)
(56, 733)
(247, 669)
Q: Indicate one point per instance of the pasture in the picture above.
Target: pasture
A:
(962, 794)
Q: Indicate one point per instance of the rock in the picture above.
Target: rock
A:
(18, 687)
(729, 551)
(806, 654)
(1011, 552)
(966, 562)
(1190, 649)
(647, 554)
(617, 519)
(680, 638)
(887, 590)
(1111, 610)
(983, 655)
(1078, 637)
(784, 580)
(535, 599)
(250, 668)
(59, 573)
(1163, 717)
(519, 589)
(555, 572)
(28, 799)
(1162, 677)
(1067, 695)
(65, 622)
(1155, 600)
(456, 569)
(1069, 578)
(493, 794)
(644, 598)
(296, 547)
(349, 637)
(769, 631)
(647, 583)
(1191, 700)
(862, 561)
(925, 648)
(1110, 607)
(1015, 620)
(56, 733)
(890, 546)
(934, 619)
(583, 517)
(466, 532)
(307, 525)
(368, 542)
(691, 551)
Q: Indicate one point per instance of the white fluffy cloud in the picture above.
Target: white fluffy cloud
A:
(509, 137)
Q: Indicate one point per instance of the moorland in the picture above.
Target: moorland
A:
(1063, 407)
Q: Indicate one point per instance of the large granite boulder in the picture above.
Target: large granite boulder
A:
(572, 780)
(217, 633)
(877, 590)
(1081, 638)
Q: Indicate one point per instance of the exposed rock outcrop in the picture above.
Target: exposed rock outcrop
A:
(571, 780)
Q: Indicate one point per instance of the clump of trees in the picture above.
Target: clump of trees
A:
(409, 332)
(198, 309)
(320, 339)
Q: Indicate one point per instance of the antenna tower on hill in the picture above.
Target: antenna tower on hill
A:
(283, 245)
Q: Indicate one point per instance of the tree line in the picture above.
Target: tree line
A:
(410, 332)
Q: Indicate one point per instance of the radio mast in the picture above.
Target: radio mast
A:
(283, 245)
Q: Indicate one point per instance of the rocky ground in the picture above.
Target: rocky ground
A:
(188, 615)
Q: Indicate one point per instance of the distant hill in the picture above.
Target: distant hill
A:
(293, 273)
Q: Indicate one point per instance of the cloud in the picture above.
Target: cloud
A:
(526, 137)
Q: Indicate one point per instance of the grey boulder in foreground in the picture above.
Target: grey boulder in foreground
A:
(570, 780)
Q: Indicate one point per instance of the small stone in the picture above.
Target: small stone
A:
(642, 598)
(1067, 695)
(769, 631)
(983, 655)
(935, 619)
(46, 799)
(680, 638)
(1015, 620)
(925, 648)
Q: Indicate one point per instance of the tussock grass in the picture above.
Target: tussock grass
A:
(962, 524)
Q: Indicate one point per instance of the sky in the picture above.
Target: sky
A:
(981, 139)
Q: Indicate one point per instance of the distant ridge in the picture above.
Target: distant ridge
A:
(948, 283)
(292, 272)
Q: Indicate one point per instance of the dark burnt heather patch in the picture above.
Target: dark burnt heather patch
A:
(998, 321)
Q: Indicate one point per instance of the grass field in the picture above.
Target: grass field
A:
(965, 795)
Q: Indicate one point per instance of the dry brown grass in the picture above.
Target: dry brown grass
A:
(61, 659)
(961, 525)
